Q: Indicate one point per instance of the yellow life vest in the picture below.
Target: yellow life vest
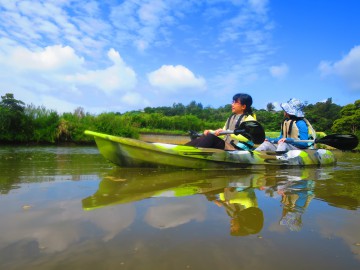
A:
(245, 198)
(290, 129)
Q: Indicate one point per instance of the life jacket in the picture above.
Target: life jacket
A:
(238, 141)
(242, 118)
(290, 129)
(238, 122)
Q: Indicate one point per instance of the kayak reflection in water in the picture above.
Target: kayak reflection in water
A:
(295, 198)
(241, 206)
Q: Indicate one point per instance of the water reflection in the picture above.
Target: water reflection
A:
(75, 211)
(45, 164)
(295, 199)
(241, 206)
(233, 191)
(129, 185)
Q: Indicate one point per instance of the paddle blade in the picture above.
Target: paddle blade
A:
(251, 130)
(340, 141)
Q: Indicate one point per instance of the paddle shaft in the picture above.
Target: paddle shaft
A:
(225, 132)
(303, 141)
(251, 130)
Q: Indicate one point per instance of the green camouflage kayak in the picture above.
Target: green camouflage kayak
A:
(127, 152)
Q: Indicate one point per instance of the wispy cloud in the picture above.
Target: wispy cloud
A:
(279, 71)
(40, 23)
(248, 30)
(143, 23)
(75, 51)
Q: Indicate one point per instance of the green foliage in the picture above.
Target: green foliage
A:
(12, 119)
(270, 107)
(160, 121)
(40, 125)
(349, 121)
(271, 121)
(9, 102)
(114, 124)
(71, 126)
(322, 115)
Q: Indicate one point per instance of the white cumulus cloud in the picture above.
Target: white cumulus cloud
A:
(348, 68)
(51, 58)
(117, 77)
(175, 77)
(57, 77)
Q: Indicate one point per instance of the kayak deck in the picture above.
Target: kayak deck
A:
(127, 152)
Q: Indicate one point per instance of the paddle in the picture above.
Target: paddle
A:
(339, 141)
(252, 130)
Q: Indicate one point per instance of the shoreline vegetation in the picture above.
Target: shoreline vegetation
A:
(22, 124)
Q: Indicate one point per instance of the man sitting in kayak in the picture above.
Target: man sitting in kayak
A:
(241, 109)
(294, 127)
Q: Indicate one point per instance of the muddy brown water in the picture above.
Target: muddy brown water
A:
(68, 208)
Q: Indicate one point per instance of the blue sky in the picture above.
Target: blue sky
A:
(113, 55)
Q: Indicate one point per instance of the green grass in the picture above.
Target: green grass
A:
(163, 131)
(272, 134)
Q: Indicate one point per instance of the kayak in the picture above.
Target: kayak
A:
(126, 152)
(125, 185)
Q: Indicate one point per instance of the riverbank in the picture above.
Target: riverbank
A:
(164, 138)
(147, 137)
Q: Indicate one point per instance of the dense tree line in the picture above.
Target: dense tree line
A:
(21, 123)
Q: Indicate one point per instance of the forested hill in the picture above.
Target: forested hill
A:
(26, 123)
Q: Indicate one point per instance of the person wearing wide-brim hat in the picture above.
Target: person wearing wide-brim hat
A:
(295, 127)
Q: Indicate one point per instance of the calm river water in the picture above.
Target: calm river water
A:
(67, 208)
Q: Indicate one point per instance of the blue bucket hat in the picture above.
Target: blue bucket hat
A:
(293, 107)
